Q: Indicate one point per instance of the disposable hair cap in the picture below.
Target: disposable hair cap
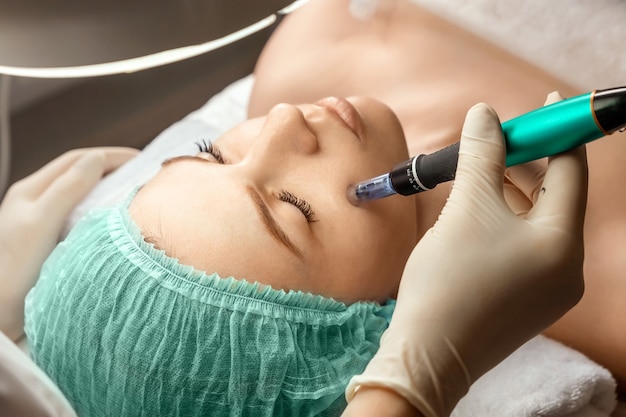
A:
(125, 330)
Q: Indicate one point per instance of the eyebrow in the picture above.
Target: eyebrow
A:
(272, 226)
(270, 223)
(182, 158)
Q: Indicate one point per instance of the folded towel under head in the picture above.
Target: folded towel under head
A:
(543, 378)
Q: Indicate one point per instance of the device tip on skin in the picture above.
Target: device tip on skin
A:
(352, 195)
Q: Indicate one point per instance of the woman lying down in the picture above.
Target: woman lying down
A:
(242, 281)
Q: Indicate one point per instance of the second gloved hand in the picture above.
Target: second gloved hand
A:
(32, 215)
(482, 281)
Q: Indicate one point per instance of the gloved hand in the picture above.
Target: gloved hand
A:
(32, 215)
(522, 183)
(482, 281)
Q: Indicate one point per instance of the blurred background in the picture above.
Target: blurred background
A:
(51, 115)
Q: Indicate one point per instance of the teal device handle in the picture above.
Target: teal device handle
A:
(550, 130)
(546, 131)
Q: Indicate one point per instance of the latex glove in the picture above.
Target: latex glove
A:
(25, 390)
(482, 281)
(522, 183)
(31, 218)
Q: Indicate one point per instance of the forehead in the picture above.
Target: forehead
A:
(206, 220)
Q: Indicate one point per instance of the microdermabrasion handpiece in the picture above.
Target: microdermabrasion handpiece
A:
(543, 132)
(420, 173)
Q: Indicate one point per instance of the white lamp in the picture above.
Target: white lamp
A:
(88, 38)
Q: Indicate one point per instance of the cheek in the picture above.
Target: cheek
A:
(384, 131)
(366, 253)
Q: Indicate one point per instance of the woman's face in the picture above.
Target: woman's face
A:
(269, 203)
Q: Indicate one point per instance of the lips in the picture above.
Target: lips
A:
(345, 112)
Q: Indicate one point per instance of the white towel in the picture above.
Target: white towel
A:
(543, 378)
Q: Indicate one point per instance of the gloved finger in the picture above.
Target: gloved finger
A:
(528, 177)
(563, 196)
(36, 183)
(553, 97)
(519, 203)
(481, 152)
(72, 185)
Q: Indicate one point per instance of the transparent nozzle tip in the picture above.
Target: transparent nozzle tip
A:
(373, 189)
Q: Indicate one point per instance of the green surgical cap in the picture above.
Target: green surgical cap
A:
(125, 330)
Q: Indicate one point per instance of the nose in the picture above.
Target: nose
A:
(283, 146)
(285, 132)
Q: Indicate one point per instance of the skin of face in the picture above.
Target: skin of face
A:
(214, 216)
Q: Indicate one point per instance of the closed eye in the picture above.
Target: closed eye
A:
(302, 205)
(207, 147)
(305, 208)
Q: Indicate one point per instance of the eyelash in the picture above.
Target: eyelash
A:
(301, 204)
(208, 147)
